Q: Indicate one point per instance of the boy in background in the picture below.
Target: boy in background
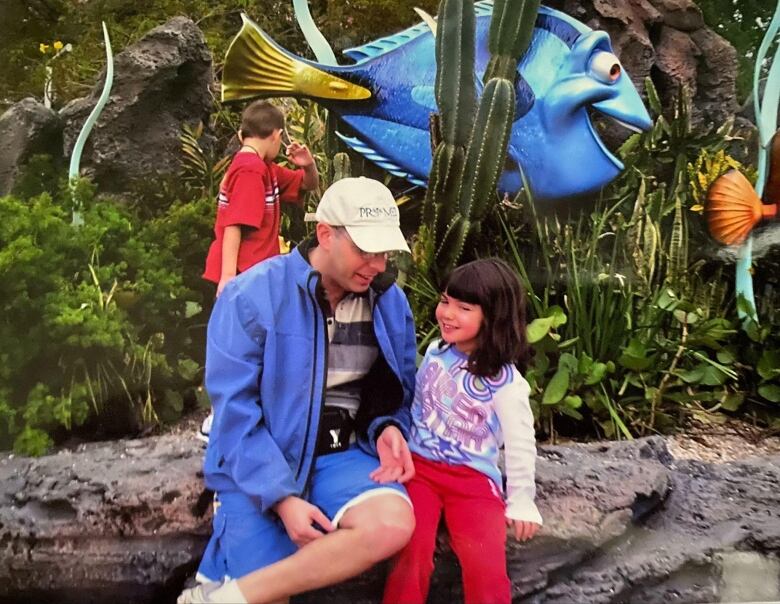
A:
(248, 212)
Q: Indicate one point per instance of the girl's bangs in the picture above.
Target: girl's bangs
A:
(465, 285)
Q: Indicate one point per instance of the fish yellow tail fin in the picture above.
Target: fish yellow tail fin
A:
(255, 66)
(733, 208)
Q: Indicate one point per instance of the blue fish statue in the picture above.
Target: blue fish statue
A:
(387, 95)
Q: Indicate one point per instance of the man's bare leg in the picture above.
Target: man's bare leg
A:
(368, 533)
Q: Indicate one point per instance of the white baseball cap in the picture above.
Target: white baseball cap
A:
(366, 208)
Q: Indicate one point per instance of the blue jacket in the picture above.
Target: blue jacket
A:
(266, 368)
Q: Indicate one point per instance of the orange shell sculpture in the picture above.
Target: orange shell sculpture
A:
(733, 208)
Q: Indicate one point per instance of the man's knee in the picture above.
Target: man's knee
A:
(386, 523)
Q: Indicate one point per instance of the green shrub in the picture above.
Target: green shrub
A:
(101, 323)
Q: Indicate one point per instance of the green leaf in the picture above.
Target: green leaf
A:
(769, 364)
(770, 392)
(573, 401)
(557, 388)
(569, 362)
(597, 373)
(191, 309)
(733, 401)
(725, 356)
(538, 328)
(188, 369)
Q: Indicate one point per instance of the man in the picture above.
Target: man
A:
(310, 369)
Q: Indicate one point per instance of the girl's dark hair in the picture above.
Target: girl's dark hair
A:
(492, 284)
(260, 119)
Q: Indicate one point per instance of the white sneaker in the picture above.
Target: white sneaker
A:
(213, 592)
(205, 428)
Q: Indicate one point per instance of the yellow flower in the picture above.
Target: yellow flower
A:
(57, 45)
(44, 48)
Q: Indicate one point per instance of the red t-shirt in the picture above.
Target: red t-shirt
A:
(249, 196)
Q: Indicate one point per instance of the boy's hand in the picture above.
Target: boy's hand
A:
(523, 529)
(299, 155)
(298, 515)
(395, 460)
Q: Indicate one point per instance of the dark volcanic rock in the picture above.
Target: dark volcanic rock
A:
(115, 522)
(27, 128)
(160, 83)
(624, 522)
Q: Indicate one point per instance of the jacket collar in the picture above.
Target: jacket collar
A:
(379, 285)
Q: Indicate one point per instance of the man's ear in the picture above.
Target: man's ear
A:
(325, 235)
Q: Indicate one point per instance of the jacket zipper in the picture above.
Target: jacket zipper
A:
(317, 314)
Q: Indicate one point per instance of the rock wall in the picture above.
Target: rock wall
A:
(126, 521)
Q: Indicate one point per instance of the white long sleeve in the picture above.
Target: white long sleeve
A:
(517, 425)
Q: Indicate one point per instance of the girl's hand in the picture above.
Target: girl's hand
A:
(299, 155)
(524, 530)
(395, 460)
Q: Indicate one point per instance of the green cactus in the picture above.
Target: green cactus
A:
(455, 86)
(487, 147)
(511, 29)
(341, 166)
(470, 141)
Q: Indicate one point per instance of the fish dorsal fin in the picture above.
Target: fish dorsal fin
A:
(383, 45)
(256, 66)
(485, 7)
(379, 159)
(388, 43)
(733, 208)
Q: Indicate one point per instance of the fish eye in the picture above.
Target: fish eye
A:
(606, 67)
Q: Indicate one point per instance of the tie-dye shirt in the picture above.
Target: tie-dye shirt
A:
(461, 418)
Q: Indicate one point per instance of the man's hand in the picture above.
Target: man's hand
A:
(299, 155)
(524, 529)
(395, 460)
(298, 516)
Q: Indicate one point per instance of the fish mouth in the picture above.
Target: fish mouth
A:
(610, 133)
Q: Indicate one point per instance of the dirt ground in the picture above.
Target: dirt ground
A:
(729, 441)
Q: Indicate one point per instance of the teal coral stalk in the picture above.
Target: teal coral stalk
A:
(75, 158)
(766, 119)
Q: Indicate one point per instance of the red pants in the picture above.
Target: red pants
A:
(474, 513)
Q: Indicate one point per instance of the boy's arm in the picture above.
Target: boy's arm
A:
(231, 241)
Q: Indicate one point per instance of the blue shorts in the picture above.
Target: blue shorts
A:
(244, 539)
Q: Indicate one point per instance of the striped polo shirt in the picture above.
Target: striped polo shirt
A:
(352, 350)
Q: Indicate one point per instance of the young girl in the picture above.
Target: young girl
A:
(469, 400)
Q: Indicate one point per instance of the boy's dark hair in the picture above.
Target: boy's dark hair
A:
(260, 119)
(492, 284)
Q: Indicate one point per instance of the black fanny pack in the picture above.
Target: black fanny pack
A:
(336, 428)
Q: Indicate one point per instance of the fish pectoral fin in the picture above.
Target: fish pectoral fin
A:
(379, 159)
(733, 208)
(256, 66)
